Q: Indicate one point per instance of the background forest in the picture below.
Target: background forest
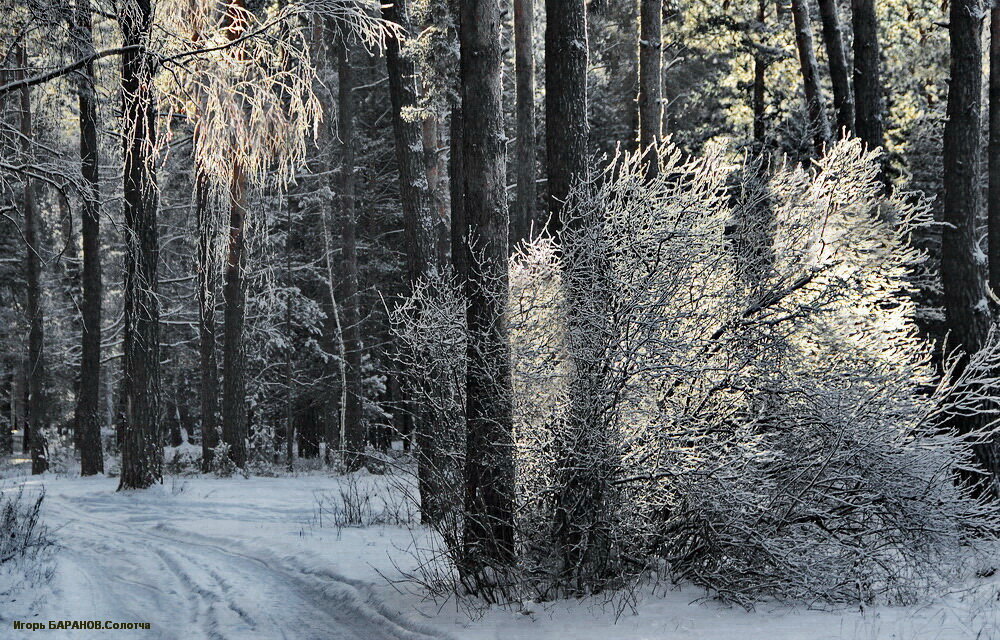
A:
(625, 285)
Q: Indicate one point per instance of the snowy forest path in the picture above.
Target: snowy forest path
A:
(128, 563)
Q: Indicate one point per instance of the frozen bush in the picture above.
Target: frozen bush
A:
(720, 369)
(24, 544)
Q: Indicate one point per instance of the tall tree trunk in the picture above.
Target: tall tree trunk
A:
(650, 79)
(422, 252)
(833, 38)
(234, 407)
(417, 229)
(207, 336)
(489, 465)
(868, 117)
(815, 108)
(33, 303)
(963, 277)
(526, 200)
(88, 420)
(141, 451)
(760, 84)
(456, 177)
(234, 383)
(581, 449)
(7, 435)
(354, 434)
(993, 152)
(289, 378)
(566, 127)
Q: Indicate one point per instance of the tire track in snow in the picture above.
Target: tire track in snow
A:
(214, 588)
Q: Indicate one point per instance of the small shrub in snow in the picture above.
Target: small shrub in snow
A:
(24, 541)
(736, 388)
(363, 500)
(222, 464)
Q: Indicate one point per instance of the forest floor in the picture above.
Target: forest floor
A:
(268, 558)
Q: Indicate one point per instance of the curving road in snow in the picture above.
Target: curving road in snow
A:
(200, 565)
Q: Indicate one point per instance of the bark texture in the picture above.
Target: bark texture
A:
(819, 126)
(993, 153)
(650, 77)
(36, 417)
(963, 276)
(234, 409)
(142, 455)
(840, 79)
(489, 467)
(88, 421)
(207, 330)
(566, 127)
(353, 429)
(760, 84)
(417, 229)
(869, 113)
(526, 200)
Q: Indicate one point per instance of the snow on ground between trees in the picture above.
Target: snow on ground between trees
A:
(203, 557)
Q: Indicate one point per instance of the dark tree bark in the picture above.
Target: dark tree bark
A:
(418, 179)
(234, 407)
(526, 200)
(566, 126)
(993, 152)
(141, 453)
(815, 108)
(869, 114)
(207, 331)
(833, 38)
(489, 465)
(33, 294)
(289, 353)
(456, 176)
(650, 78)
(417, 229)
(760, 84)
(964, 278)
(354, 434)
(88, 420)
(234, 383)
(6, 435)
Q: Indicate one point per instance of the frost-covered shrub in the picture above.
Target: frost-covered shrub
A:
(24, 544)
(738, 381)
(431, 343)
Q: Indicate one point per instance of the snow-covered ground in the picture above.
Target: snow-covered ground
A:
(203, 557)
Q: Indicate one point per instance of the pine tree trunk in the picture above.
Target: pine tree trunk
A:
(141, 453)
(833, 38)
(33, 295)
(760, 85)
(964, 278)
(815, 108)
(418, 180)
(456, 186)
(6, 435)
(869, 115)
(353, 444)
(526, 200)
(417, 230)
(489, 465)
(566, 127)
(88, 421)
(234, 408)
(207, 336)
(650, 78)
(289, 353)
(993, 152)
